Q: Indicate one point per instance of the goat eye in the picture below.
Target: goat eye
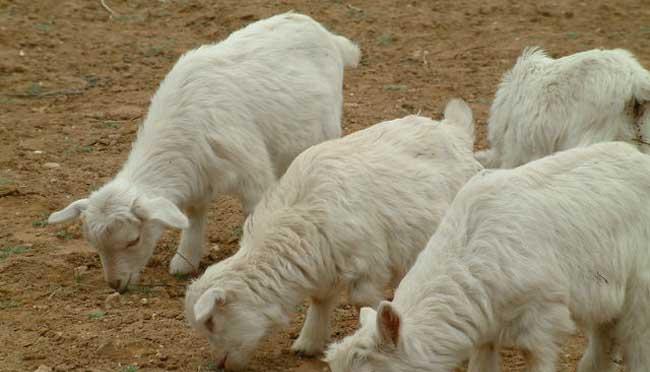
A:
(133, 242)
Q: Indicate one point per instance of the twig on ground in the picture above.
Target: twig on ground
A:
(352, 7)
(111, 11)
(64, 92)
(53, 293)
(10, 192)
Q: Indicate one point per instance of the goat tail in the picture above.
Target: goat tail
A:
(642, 88)
(488, 158)
(349, 51)
(458, 112)
(642, 100)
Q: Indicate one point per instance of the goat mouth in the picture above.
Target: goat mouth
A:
(222, 364)
(125, 287)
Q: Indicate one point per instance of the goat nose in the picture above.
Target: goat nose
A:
(115, 284)
(222, 363)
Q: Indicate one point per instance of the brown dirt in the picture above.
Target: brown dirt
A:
(74, 84)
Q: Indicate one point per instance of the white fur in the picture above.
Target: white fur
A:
(228, 118)
(349, 214)
(520, 256)
(544, 105)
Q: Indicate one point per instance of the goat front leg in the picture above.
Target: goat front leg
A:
(315, 332)
(543, 327)
(190, 251)
(485, 359)
(600, 353)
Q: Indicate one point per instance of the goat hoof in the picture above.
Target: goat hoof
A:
(180, 266)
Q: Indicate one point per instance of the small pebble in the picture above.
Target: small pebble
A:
(144, 301)
(43, 368)
(112, 299)
(80, 270)
(38, 152)
(51, 165)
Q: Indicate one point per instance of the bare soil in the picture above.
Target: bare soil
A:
(75, 82)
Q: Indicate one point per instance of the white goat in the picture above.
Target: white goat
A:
(228, 118)
(544, 105)
(349, 214)
(520, 256)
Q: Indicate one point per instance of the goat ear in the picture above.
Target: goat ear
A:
(207, 304)
(162, 210)
(69, 213)
(366, 315)
(388, 324)
(458, 112)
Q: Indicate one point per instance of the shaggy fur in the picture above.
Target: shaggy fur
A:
(228, 118)
(348, 214)
(520, 256)
(544, 105)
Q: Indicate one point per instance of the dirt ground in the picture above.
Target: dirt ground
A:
(76, 81)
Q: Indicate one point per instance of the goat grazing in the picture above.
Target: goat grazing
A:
(544, 105)
(521, 257)
(228, 119)
(352, 214)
